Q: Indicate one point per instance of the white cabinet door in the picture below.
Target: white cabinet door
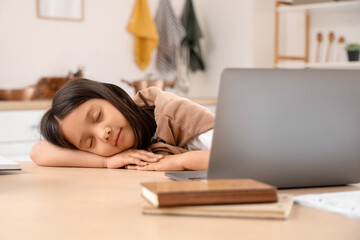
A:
(19, 131)
(20, 125)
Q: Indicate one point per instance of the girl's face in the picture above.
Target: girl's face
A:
(98, 127)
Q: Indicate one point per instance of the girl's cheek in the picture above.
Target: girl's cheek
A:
(106, 151)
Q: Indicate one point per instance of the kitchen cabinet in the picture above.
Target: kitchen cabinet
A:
(19, 123)
(19, 131)
(340, 17)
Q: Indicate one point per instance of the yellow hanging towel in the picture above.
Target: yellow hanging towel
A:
(143, 28)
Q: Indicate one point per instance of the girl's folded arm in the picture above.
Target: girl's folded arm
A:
(44, 153)
(196, 160)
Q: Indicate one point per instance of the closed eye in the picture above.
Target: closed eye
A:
(98, 117)
(91, 142)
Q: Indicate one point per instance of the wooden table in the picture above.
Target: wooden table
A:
(84, 203)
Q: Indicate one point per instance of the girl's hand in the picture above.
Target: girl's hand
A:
(132, 157)
(191, 160)
(167, 163)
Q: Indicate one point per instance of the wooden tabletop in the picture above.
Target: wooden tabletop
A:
(84, 203)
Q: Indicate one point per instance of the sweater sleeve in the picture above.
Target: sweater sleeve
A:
(178, 119)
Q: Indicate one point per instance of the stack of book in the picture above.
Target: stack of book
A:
(216, 197)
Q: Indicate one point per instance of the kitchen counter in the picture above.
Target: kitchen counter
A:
(205, 101)
(45, 104)
(25, 105)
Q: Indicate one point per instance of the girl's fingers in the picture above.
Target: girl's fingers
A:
(147, 156)
(139, 168)
(136, 161)
(144, 168)
(131, 167)
(148, 167)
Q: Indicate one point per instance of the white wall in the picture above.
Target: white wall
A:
(229, 35)
(263, 37)
(31, 47)
(237, 33)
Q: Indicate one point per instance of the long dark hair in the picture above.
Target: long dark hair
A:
(76, 92)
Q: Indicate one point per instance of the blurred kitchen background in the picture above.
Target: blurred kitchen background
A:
(94, 42)
(237, 33)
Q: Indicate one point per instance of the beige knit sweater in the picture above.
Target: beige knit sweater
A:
(178, 119)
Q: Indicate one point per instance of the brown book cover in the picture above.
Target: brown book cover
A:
(275, 210)
(211, 191)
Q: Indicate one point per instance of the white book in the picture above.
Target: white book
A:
(7, 164)
(276, 210)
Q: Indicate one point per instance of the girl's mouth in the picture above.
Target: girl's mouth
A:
(117, 137)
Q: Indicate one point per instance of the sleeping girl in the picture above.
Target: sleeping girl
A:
(95, 124)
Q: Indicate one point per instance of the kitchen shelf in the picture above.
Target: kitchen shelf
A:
(340, 65)
(322, 7)
(308, 10)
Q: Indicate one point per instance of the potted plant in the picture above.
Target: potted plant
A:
(353, 50)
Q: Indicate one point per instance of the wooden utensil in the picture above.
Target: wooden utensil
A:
(331, 39)
(319, 38)
(341, 41)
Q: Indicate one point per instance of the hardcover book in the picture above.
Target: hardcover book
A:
(276, 210)
(210, 191)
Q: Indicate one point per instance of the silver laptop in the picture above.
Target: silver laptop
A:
(286, 127)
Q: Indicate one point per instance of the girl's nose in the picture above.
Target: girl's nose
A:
(106, 134)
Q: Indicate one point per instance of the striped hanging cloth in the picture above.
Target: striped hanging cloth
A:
(171, 33)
